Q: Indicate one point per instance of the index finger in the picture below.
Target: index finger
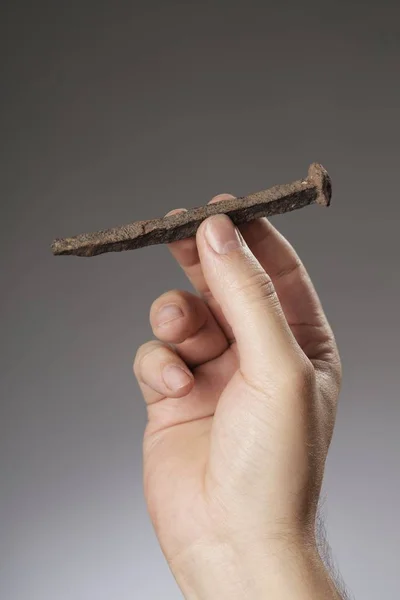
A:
(186, 254)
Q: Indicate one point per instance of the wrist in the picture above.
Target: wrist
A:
(277, 572)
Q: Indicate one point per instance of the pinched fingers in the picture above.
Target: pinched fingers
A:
(183, 319)
(186, 254)
(161, 372)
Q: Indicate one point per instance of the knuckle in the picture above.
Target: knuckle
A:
(292, 267)
(267, 290)
(259, 286)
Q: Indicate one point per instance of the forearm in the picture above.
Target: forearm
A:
(218, 571)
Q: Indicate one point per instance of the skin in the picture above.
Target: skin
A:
(241, 387)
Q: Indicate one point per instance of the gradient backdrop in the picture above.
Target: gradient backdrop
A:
(117, 111)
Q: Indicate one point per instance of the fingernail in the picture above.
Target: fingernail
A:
(167, 313)
(221, 197)
(175, 211)
(222, 235)
(175, 377)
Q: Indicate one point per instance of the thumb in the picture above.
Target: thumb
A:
(246, 294)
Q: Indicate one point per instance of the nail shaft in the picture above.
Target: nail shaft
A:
(316, 188)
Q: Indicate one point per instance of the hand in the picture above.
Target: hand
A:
(241, 391)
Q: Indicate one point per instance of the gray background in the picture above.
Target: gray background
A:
(116, 111)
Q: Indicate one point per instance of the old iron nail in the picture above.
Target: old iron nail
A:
(316, 188)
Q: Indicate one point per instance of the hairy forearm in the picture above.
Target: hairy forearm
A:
(279, 573)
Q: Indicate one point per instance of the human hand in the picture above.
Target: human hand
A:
(241, 412)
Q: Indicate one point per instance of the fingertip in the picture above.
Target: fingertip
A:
(162, 313)
(177, 316)
(220, 197)
(160, 372)
(220, 234)
(178, 380)
(175, 211)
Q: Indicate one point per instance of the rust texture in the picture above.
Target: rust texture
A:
(316, 188)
